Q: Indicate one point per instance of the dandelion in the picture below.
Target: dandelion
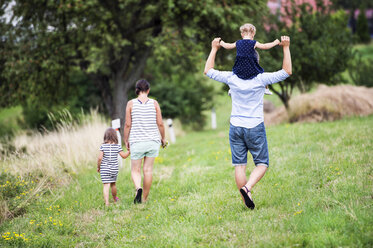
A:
(298, 212)
(298, 203)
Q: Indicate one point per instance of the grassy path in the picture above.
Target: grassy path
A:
(318, 192)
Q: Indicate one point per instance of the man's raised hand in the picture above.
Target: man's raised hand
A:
(285, 41)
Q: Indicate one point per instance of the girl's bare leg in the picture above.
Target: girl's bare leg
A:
(106, 193)
(113, 190)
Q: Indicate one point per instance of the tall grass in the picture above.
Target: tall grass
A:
(47, 158)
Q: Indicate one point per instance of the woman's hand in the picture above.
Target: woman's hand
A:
(98, 169)
(164, 143)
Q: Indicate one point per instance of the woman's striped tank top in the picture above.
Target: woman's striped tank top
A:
(144, 122)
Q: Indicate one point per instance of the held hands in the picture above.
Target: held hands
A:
(285, 41)
(277, 42)
(216, 43)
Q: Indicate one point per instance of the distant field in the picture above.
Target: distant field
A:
(317, 193)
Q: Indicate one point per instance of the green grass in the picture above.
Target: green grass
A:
(10, 120)
(317, 193)
(366, 50)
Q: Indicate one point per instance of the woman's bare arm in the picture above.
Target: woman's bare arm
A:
(128, 124)
(160, 122)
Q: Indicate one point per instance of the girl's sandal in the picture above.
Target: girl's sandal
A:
(248, 201)
(116, 199)
(138, 196)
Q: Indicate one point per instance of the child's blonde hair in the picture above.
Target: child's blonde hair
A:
(248, 28)
(110, 136)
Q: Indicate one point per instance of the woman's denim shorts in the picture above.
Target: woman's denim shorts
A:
(254, 140)
(144, 149)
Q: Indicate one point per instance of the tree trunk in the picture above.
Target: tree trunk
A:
(102, 82)
(122, 85)
(283, 95)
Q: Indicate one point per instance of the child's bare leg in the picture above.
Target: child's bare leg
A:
(113, 190)
(106, 193)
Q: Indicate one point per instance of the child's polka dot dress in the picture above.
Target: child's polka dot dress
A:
(246, 65)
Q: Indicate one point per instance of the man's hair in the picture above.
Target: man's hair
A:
(248, 28)
(110, 136)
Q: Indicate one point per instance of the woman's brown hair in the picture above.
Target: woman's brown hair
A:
(142, 86)
(110, 136)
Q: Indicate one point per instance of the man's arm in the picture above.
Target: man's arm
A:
(278, 76)
(210, 62)
(286, 63)
(228, 45)
(266, 46)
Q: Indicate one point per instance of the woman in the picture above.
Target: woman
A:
(143, 135)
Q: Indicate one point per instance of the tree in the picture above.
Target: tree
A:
(181, 94)
(320, 47)
(111, 40)
(362, 28)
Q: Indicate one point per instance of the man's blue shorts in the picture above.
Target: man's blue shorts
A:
(254, 140)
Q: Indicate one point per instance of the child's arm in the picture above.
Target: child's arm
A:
(99, 160)
(124, 154)
(227, 45)
(266, 46)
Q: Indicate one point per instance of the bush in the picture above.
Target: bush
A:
(361, 71)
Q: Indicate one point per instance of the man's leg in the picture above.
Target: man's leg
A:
(255, 177)
(240, 176)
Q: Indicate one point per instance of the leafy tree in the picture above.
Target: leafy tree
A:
(181, 94)
(320, 47)
(352, 5)
(362, 28)
(111, 40)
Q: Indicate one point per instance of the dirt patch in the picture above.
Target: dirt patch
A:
(325, 104)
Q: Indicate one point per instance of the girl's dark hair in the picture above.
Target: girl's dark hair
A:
(142, 86)
(110, 136)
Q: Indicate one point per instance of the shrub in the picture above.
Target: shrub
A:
(361, 71)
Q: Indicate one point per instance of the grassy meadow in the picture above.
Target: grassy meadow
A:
(317, 193)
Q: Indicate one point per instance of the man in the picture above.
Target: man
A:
(247, 131)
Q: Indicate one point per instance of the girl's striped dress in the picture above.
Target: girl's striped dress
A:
(109, 164)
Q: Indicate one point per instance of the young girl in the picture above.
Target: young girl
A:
(247, 65)
(107, 164)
